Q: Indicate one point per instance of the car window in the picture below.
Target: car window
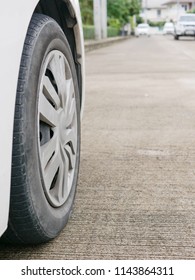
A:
(143, 25)
(187, 18)
(168, 24)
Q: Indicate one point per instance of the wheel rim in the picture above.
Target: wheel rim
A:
(57, 125)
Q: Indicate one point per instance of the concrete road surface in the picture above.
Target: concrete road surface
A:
(136, 192)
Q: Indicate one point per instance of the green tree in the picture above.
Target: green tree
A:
(117, 9)
(134, 7)
(87, 11)
(121, 10)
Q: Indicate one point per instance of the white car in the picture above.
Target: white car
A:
(185, 26)
(168, 28)
(42, 96)
(142, 29)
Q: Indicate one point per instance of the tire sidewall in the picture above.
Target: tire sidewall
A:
(50, 220)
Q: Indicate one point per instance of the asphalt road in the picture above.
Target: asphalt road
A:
(136, 192)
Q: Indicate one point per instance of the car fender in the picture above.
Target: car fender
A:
(14, 21)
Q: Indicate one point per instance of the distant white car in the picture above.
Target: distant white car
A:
(185, 26)
(168, 28)
(142, 29)
(42, 96)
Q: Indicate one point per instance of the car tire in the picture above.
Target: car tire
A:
(176, 37)
(46, 137)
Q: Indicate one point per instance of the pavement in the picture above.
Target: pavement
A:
(96, 44)
(136, 191)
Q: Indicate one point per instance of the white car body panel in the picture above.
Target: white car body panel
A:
(142, 29)
(14, 21)
(168, 28)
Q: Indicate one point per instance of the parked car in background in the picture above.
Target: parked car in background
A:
(42, 96)
(168, 28)
(185, 26)
(142, 29)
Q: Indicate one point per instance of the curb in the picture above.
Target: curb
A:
(93, 45)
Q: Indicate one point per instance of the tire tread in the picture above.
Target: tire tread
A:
(20, 219)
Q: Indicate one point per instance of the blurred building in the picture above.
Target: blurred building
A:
(177, 8)
(162, 10)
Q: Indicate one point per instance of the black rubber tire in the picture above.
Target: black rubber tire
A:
(32, 219)
(176, 37)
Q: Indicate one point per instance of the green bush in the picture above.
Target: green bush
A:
(112, 31)
(113, 22)
(139, 19)
(159, 24)
(89, 32)
(191, 11)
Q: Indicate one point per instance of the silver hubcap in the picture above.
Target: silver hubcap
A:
(57, 128)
